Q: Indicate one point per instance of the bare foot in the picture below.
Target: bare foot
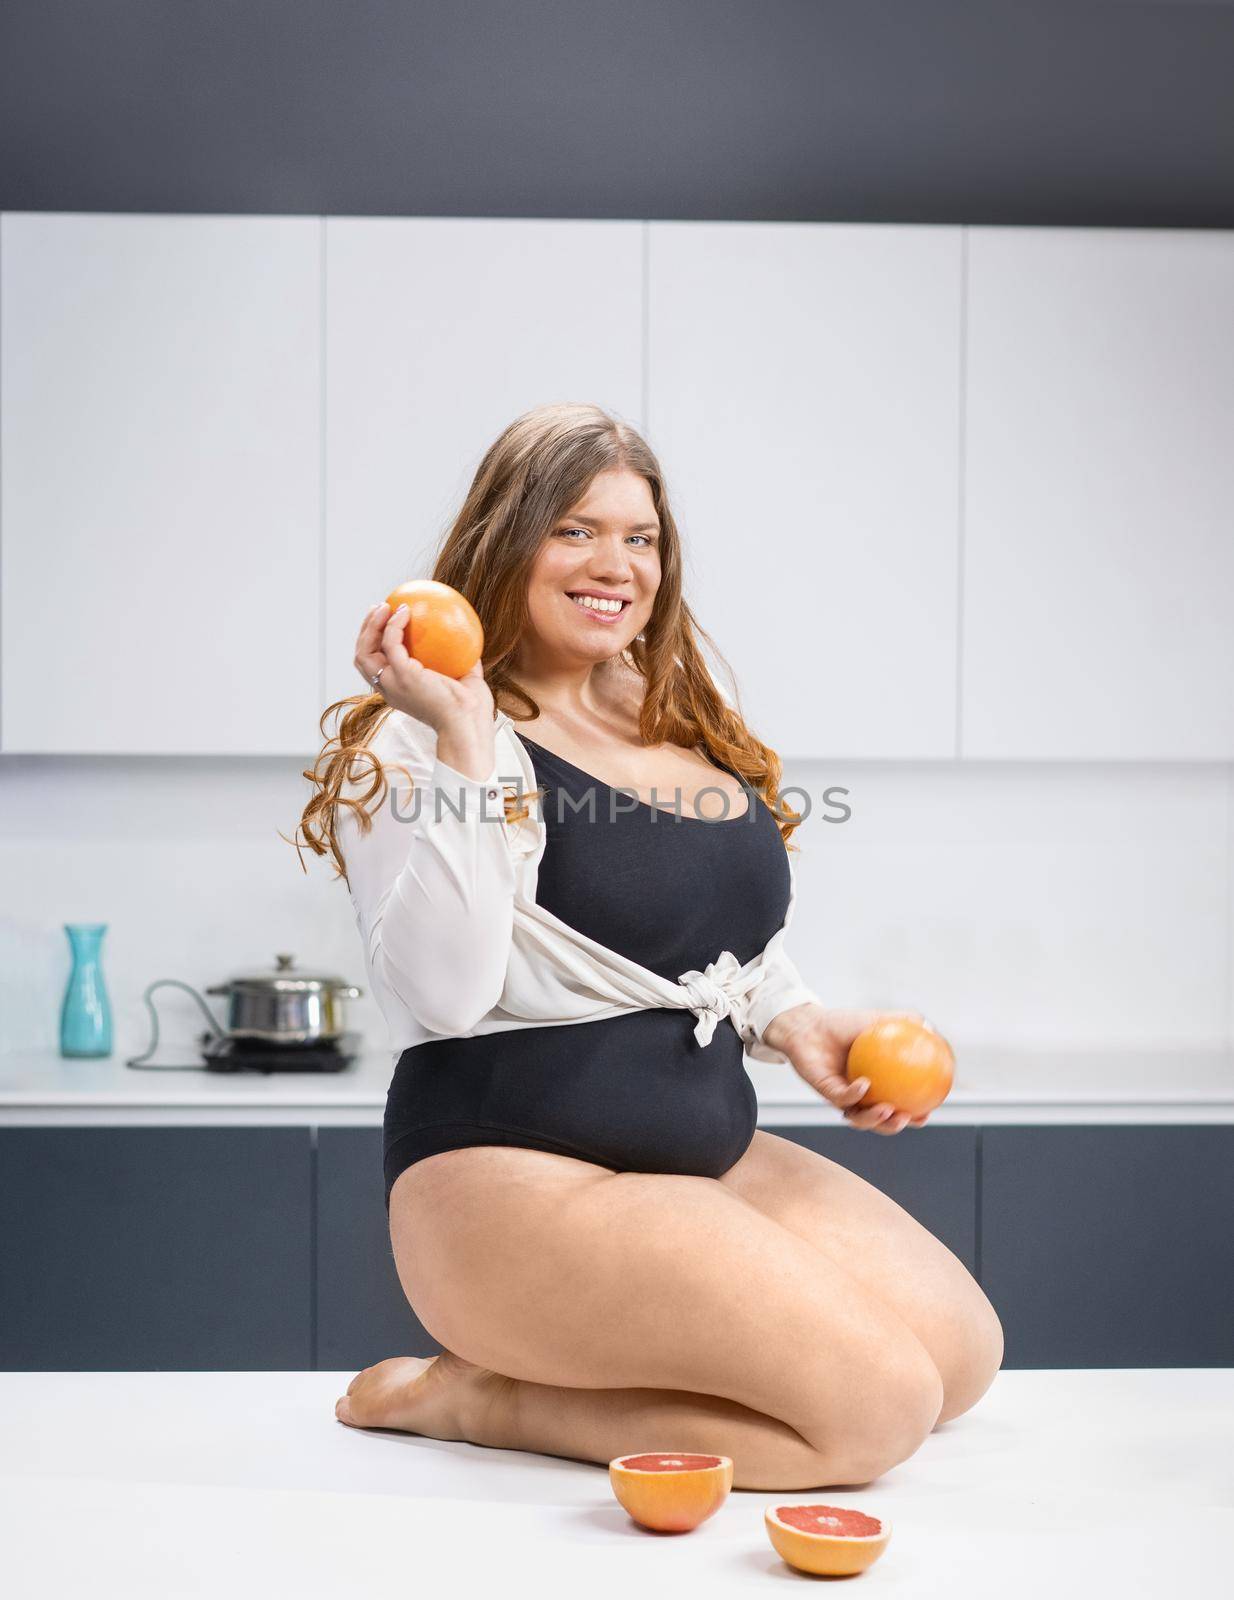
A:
(439, 1397)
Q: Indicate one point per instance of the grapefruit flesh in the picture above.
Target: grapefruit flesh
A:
(671, 1492)
(443, 631)
(909, 1066)
(833, 1540)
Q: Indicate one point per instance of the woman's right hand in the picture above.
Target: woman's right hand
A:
(408, 685)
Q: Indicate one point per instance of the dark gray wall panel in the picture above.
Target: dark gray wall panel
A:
(1110, 1246)
(134, 1249)
(826, 110)
(362, 1313)
(931, 1172)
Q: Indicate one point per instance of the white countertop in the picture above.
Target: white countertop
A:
(243, 1484)
(992, 1085)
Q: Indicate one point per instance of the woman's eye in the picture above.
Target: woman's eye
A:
(644, 537)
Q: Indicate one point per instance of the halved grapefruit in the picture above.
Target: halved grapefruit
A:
(828, 1539)
(671, 1492)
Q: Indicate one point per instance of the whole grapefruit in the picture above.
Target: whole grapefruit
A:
(909, 1065)
(826, 1539)
(443, 631)
(671, 1493)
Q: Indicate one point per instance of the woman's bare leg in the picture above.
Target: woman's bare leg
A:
(612, 1312)
(447, 1398)
(876, 1241)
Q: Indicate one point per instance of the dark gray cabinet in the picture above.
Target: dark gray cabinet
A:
(268, 1248)
(1110, 1246)
(135, 1249)
(362, 1313)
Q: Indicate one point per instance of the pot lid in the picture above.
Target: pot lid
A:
(286, 978)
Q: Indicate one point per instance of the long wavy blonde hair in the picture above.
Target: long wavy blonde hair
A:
(531, 475)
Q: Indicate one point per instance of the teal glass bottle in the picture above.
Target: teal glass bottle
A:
(85, 1016)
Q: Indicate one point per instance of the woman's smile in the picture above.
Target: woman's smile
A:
(600, 612)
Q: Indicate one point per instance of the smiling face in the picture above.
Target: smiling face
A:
(608, 545)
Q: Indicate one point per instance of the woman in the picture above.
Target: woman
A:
(582, 1210)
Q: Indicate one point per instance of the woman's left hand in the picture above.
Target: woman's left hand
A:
(816, 1042)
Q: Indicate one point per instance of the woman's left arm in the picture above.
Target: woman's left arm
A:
(780, 988)
(786, 1021)
(816, 1043)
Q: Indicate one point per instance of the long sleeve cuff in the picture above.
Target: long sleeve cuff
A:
(451, 792)
(782, 988)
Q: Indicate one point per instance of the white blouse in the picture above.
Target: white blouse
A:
(444, 893)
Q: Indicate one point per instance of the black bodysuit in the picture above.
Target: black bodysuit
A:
(635, 1092)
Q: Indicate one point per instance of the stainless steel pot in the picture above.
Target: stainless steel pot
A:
(285, 1006)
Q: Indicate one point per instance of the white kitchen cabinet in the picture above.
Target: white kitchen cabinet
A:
(440, 332)
(804, 398)
(160, 520)
(1099, 495)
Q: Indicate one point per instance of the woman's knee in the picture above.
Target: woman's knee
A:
(891, 1406)
(975, 1355)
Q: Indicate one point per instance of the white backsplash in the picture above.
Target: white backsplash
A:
(1019, 905)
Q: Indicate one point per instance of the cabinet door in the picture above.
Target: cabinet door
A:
(1098, 557)
(803, 392)
(931, 1172)
(142, 1249)
(1110, 1246)
(363, 1315)
(440, 332)
(160, 409)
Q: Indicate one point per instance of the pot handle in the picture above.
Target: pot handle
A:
(350, 992)
(219, 988)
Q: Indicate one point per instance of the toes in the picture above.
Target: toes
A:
(342, 1410)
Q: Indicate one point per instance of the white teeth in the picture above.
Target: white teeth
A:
(591, 604)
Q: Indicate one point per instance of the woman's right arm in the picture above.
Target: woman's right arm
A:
(432, 881)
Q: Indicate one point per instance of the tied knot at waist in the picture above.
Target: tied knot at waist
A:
(718, 991)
